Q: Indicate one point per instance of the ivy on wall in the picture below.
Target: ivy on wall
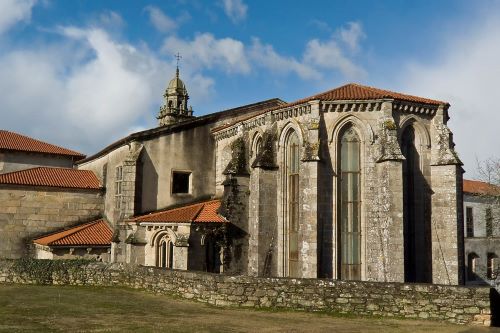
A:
(44, 271)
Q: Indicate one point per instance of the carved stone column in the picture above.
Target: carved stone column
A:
(263, 233)
(447, 207)
(234, 207)
(129, 180)
(308, 185)
(384, 230)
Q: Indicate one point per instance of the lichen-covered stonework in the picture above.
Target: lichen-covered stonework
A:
(455, 304)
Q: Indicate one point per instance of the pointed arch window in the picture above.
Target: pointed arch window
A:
(257, 146)
(292, 193)
(349, 203)
(165, 253)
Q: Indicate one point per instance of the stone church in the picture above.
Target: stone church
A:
(355, 183)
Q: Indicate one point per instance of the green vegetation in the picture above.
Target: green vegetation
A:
(42, 271)
(28, 308)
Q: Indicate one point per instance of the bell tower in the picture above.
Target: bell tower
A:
(175, 107)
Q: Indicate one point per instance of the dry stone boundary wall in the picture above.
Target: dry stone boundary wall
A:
(455, 304)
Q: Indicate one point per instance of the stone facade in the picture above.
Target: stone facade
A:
(482, 246)
(396, 218)
(380, 126)
(29, 212)
(148, 160)
(455, 304)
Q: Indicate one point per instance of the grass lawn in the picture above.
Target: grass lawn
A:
(85, 309)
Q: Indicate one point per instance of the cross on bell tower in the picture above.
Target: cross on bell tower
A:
(175, 107)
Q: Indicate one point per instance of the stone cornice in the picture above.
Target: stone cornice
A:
(270, 117)
(416, 108)
(351, 106)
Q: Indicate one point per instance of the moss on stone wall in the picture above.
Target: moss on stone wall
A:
(43, 271)
(238, 163)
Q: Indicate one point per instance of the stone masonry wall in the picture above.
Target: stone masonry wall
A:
(455, 304)
(29, 212)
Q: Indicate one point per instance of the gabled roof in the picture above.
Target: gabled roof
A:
(18, 142)
(202, 212)
(95, 233)
(52, 177)
(480, 188)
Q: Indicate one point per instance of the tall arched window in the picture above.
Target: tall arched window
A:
(349, 203)
(165, 253)
(292, 184)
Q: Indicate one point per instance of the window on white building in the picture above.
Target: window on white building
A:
(469, 222)
(492, 269)
(472, 263)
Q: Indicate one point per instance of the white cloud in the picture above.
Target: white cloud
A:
(352, 35)
(14, 11)
(86, 90)
(236, 10)
(467, 75)
(111, 20)
(264, 55)
(160, 20)
(329, 55)
(233, 56)
(205, 51)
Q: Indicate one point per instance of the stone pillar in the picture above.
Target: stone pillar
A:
(129, 180)
(447, 204)
(234, 207)
(384, 228)
(254, 222)
(263, 225)
(308, 184)
(262, 222)
(181, 247)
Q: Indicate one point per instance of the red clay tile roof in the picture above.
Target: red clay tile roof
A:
(14, 141)
(351, 91)
(203, 212)
(53, 177)
(97, 233)
(478, 187)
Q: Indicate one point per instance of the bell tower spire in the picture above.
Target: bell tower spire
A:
(175, 108)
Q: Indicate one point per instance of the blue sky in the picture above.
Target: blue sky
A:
(84, 73)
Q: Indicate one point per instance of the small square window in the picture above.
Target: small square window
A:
(180, 182)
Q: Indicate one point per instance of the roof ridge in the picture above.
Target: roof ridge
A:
(202, 206)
